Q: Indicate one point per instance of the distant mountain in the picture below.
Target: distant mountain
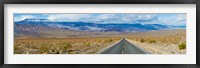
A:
(36, 26)
(85, 26)
(177, 27)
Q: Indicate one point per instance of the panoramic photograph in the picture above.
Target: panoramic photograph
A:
(99, 33)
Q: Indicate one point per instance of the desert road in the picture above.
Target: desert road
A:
(124, 47)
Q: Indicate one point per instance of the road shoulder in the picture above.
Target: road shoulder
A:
(130, 41)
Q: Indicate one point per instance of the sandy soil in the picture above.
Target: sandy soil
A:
(159, 48)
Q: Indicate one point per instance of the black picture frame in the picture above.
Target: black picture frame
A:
(2, 2)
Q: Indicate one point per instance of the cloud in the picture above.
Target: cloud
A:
(94, 28)
(94, 18)
(101, 18)
(118, 18)
(167, 19)
(181, 17)
(66, 17)
(23, 17)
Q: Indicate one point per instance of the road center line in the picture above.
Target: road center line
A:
(123, 47)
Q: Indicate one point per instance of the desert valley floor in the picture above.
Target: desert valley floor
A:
(154, 42)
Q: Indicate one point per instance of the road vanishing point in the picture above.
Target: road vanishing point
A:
(124, 47)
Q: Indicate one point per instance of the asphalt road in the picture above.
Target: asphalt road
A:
(124, 47)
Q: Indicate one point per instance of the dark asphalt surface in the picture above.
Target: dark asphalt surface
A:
(123, 47)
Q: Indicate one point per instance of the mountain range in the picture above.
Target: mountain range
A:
(34, 27)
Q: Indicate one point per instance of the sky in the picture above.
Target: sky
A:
(176, 19)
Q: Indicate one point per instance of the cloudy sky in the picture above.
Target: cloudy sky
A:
(165, 19)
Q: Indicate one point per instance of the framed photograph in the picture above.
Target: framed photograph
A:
(101, 32)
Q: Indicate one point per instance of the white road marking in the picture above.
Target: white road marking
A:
(107, 47)
(139, 47)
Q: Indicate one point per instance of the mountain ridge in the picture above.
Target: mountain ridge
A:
(35, 27)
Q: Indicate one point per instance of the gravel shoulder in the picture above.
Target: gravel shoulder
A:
(159, 48)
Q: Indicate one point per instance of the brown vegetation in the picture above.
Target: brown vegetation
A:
(156, 42)
(61, 45)
(161, 42)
